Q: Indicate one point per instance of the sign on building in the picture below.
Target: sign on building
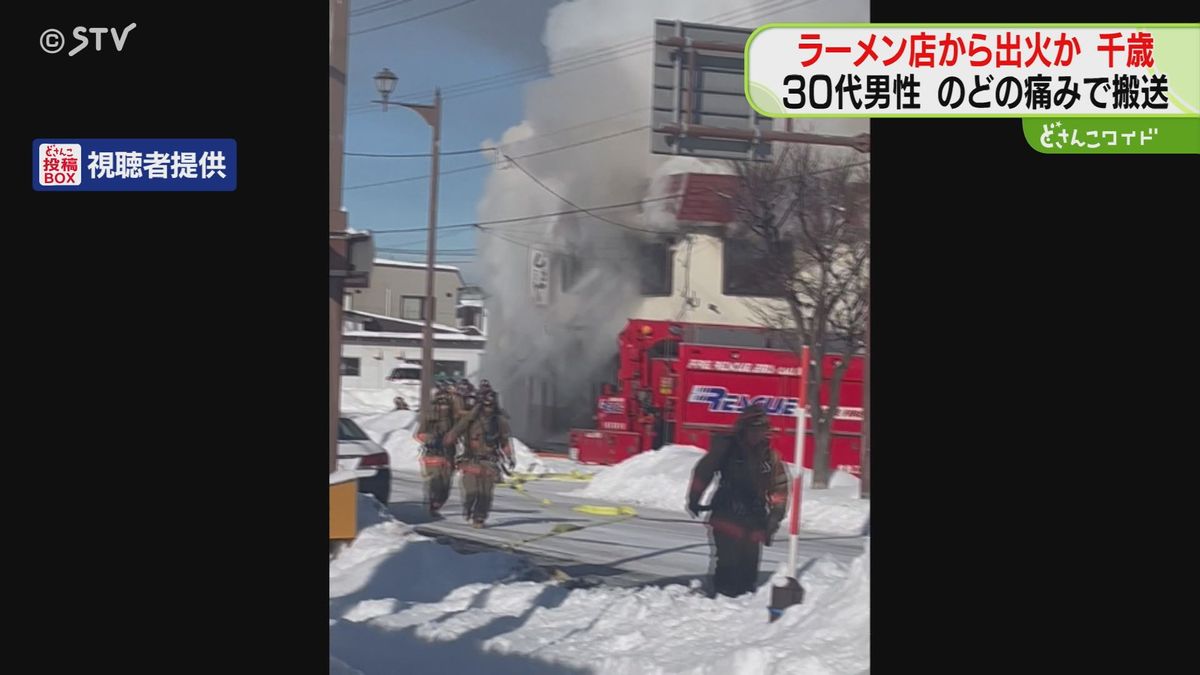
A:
(539, 276)
(699, 106)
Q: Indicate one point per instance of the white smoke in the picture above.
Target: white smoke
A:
(572, 340)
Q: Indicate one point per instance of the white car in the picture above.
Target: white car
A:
(357, 452)
(406, 382)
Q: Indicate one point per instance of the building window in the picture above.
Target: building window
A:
(412, 308)
(656, 269)
(449, 369)
(746, 270)
(469, 316)
(570, 269)
(351, 367)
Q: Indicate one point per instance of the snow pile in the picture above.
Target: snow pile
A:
(526, 460)
(660, 479)
(370, 512)
(400, 602)
(838, 509)
(394, 432)
(367, 401)
(673, 630)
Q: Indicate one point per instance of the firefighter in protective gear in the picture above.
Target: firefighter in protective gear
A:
(467, 395)
(487, 449)
(749, 503)
(437, 458)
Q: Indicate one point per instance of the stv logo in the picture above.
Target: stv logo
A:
(720, 400)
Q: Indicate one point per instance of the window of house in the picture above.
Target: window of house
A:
(571, 269)
(746, 270)
(449, 369)
(656, 269)
(469, 316)
(350, 367)
(412, 308)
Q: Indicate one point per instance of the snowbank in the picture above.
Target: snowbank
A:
(527, 461)
(660, 479)
(394, 431)
(400, 602)
(367, 401)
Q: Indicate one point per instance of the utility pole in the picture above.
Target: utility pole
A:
(385, 83)
(338, 246)
(431, 249)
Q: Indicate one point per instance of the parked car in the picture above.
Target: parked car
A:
(358, 452)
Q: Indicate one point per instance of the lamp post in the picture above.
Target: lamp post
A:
(385, 83)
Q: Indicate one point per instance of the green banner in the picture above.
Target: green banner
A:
(1113, 135)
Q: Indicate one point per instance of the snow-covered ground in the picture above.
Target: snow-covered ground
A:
(369, 401)
(661, 478)
(394, 431)
(400, 602)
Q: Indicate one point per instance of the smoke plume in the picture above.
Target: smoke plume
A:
(571, 341)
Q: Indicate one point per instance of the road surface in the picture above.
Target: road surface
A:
(654, 547)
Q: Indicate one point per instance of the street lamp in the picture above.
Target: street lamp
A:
(385, 83)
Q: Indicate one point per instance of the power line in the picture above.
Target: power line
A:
(502, 221)
(411, 18)
(547, 188)
(483, 224)
(482, 166)
(602, 51)
(538, 137)
(568, 66)
(378, 7)
(596, 56)
(416, 154)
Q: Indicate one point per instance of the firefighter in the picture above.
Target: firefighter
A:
(487, 449)
(749, 503)
(437, 458)
(465, 392)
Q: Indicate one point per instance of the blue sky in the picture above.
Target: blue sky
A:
(480, 39)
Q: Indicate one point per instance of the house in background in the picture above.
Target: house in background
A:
(472, 316)
(376, 348)
(397, 290)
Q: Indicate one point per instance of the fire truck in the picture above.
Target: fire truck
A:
(685, 383)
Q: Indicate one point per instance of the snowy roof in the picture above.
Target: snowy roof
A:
(413, 265)
(413, 336)
(418, 324)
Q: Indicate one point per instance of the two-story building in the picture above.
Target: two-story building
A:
(696, 269)
(383, 326)
(398, 290)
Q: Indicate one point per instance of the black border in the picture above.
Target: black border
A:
(1027, 318)
(172, 347)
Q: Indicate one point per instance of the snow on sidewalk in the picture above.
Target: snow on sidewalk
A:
(660, 479)
(400, 602)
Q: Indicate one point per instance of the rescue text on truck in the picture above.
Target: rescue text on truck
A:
(684, 383)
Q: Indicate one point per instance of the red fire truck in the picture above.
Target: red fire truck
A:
(683, 383)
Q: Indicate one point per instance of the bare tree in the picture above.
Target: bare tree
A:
(806, 218)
